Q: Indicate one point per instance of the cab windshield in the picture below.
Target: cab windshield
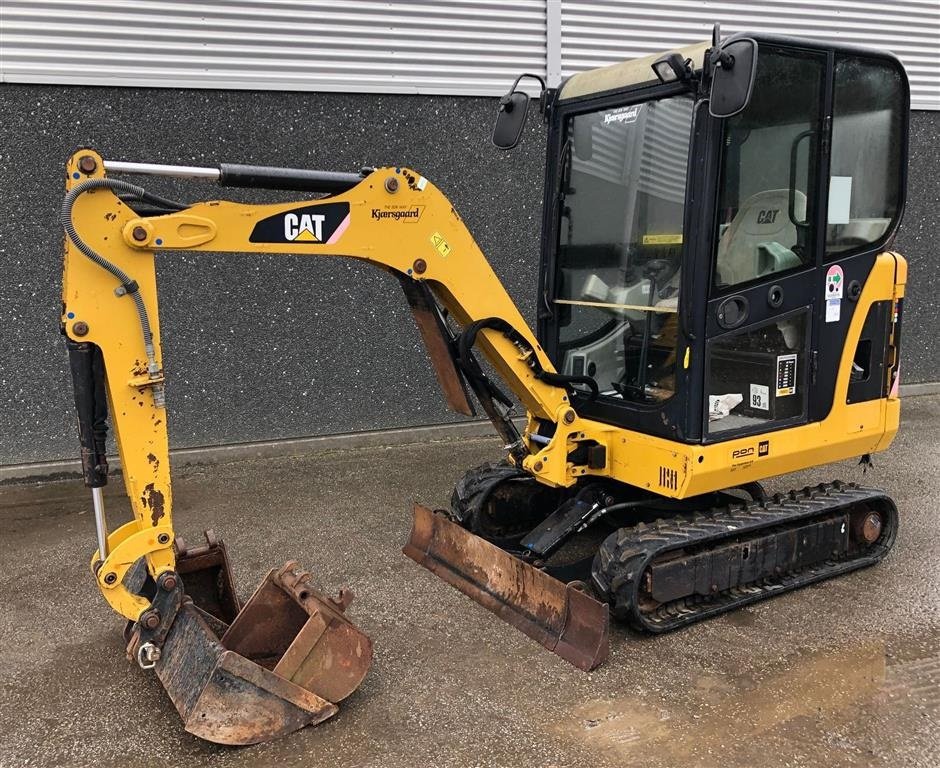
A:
(620, 246)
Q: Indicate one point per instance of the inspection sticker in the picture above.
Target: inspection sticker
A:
(786, 375)
(438, 241)
(835, 278)
(760, 397)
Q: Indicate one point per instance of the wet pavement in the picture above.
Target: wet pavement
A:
(845, 673)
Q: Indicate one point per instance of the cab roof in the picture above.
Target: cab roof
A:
(625, 74)
(635, 72)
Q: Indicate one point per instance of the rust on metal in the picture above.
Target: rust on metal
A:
(226, 698)
(248, 675)
(866, 525)
(302, 635)
(207, 576)
(560, 616)
(87, 164)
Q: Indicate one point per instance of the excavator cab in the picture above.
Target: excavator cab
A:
(704, 270)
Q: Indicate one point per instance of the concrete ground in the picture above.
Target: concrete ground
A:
(846, 673)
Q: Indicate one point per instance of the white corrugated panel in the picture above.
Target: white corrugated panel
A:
(599, 32)
(423, 46)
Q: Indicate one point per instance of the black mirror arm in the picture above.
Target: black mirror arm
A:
(505, 102)
(716, 57)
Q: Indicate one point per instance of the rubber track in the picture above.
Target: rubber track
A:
(624, 556)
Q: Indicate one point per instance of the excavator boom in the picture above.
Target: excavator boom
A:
(286, 657)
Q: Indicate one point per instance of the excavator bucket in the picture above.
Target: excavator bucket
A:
(244, 675)
(560, 616)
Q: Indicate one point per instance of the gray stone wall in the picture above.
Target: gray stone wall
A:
(264, 347)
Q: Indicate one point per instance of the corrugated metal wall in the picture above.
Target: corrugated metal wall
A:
(422, 46)
(454, 47)
(598, 32)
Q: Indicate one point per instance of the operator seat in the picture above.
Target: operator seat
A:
(759, 239)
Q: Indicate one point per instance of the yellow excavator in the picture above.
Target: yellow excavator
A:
(718, 304)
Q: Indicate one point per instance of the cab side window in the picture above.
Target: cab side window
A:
(865, 172)
(769, 171)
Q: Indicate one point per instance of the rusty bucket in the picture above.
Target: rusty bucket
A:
(560, 616)
(244, 675)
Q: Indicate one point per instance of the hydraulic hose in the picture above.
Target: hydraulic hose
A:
(128, 286)
(468, 338)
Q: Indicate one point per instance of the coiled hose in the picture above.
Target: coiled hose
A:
(128, 284)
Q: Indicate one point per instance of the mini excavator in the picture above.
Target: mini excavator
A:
(718, 304)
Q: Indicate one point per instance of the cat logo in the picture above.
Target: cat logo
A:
(317, 224)
(763, 448)
(307, 227)
(768, 216)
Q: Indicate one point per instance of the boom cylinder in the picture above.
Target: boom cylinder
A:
(250, 176)
(87, 366)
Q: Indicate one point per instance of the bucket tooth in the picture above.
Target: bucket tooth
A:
(560, 616)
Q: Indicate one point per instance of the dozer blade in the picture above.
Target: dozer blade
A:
(560, 616)
(281, 662)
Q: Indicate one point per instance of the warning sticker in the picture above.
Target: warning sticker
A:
(760, 397)
(662, 239)
(786, 375)
(438, 241)
(834, 279)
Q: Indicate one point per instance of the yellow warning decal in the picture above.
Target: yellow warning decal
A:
(438, 241)
(662, 239)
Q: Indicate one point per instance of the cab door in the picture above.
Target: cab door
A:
(761, 310)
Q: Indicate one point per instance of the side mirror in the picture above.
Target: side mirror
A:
(734, 66)
(510, 119)
(512, 111)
